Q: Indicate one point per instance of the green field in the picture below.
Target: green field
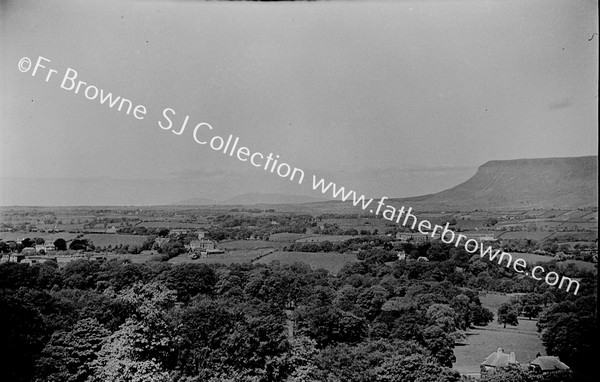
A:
(141, 258)
(321, 238)
(104, 240)
(285, 237)
(579, 263)
(522, 339)
(229, 257)
(531, 258)
(245, 244)
(538, 236)
(331, 261)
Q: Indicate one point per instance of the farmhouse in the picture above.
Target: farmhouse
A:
(178, 231)
(497, 359)
(12, 258)
(160, 240)
(401, 255)
(201, 245)
(414, 237)
(29, 251)
(547, 364)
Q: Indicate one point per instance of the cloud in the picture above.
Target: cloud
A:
(564, 103)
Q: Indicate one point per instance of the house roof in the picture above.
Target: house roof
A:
(548, 363)
(499, 358)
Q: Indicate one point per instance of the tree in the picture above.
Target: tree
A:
(140, 348)
(414, 368)
(482, 316)
(22, 337)
(188, 280)
(79, 244)
(27, 242)
(68, 356)
(440, 344)
(122, 360)
(443, 316)
(507, 315)
(60, 244)
(569, 331)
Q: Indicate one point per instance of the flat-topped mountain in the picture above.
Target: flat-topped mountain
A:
(522, 183)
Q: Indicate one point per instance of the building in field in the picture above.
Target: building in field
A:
(416, 238)
(547, 364)
(496, 360)
(401, 255)
(201, 245)
(29, 251)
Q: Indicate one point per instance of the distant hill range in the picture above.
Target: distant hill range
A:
(566, 183)
(252, 199)
(522, 183)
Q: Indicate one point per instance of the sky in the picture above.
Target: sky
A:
(389, 98)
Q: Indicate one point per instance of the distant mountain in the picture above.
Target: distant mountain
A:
(259, 198)
(196, 202)
(521, 183)
(251, 199)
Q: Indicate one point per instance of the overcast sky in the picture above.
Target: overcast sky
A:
(391, 98)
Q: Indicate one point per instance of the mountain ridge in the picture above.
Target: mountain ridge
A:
(522, 183)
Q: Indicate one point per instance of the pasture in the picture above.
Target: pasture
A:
(322, 238)
(537, 236)
(531, 258)
(245, 244)
(104, 240)
(229, 257)
(481, 341)
(523, 339)
(285, 237)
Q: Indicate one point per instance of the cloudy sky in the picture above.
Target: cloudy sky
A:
(390, 98)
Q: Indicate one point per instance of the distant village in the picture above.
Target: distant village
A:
(37, 250)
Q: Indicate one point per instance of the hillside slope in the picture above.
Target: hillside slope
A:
(522, 183)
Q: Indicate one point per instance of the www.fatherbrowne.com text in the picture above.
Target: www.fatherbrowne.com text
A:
(202, 134)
